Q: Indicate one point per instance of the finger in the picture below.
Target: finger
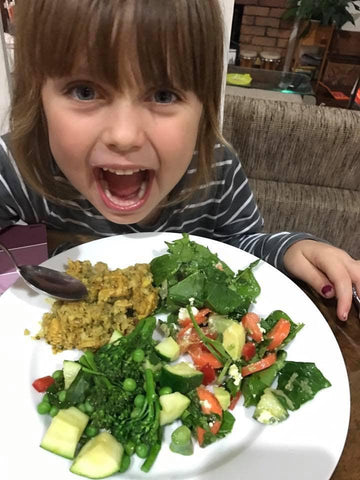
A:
(310, 274)
(341, 278)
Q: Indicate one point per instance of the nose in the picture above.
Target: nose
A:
(124, 126)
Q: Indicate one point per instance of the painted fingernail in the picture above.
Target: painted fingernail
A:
(345, 317)
(326, 290)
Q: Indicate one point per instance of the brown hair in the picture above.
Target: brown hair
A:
(175, 42)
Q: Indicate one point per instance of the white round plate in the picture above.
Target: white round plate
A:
(306, 446)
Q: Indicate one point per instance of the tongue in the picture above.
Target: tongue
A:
(124, 185)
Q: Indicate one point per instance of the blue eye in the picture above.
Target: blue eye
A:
(165, 96)
(83, 93)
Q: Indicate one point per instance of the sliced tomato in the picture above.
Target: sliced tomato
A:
(248, 351)
(251, 323)
(43, 383)
(234, 401)
(209, 374)
(200, 318)
(188, 336)
(278, 333)
(201, 356)
(260, 365)
(209, 404)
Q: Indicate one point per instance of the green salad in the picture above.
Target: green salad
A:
(116, 402)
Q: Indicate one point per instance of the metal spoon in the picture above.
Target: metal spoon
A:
(56, 284)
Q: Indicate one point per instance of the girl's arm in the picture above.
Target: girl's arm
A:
(329, 270)
(15, 203)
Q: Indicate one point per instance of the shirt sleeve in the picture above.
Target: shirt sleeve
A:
(239, 221)
(15, 198)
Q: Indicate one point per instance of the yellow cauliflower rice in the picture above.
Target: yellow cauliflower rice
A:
(117, 299)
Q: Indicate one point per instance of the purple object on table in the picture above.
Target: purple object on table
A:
(28, 245)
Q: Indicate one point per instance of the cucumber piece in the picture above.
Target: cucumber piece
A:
(269, 409)
(181, 377)
(234, 338)
(173, 406)
(100, 457)
(168, 349)
(181, 441)
(70, 370)
(64, 432)
(222, 396)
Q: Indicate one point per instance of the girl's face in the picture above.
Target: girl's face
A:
(123, 151)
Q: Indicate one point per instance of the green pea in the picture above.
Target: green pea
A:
(138, 355)
(91, 431)
(58, 375)
(125, 463)
(129, 447)
(139, 400)
(53, 411)
(43, 407)
(62, 396)
(45, 398)
(129, 384)
(165, 390)
(142, 450)
(88, 407)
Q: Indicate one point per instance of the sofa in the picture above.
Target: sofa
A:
(303, 164)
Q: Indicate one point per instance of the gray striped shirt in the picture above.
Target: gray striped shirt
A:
(228, 213)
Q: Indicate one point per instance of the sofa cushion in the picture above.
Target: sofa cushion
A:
(288, 142)
(329, 213)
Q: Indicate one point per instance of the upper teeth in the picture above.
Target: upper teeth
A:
(123, 172)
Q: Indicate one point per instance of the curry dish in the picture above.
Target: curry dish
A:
(117, 299)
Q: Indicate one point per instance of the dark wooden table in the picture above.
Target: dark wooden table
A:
(348, 337)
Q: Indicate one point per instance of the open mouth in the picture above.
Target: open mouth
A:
(124, 188)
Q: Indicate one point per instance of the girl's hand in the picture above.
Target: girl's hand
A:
(329, 270)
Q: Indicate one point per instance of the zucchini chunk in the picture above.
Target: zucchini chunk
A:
(181, 377)
(100, 457)
(173, 406)
(70, 370)
(168, 349)
(270, 410)
(64, 432)
(181, 441)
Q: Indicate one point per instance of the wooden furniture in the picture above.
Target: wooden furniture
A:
(347, 335)
(316, 41)
(342, 67)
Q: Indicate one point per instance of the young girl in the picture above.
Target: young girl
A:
(114, 129)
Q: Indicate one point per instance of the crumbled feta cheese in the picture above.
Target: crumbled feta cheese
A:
(235, 374)
(211, 424)
(262, 329)
(205, 404)
(184, 314)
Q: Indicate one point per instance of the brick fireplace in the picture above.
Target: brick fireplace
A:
(262, 27)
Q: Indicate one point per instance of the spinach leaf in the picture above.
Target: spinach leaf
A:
(227, 424)
(164, 267)
(191, 287)
(300, 382)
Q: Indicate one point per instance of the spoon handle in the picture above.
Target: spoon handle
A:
(8, 253)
